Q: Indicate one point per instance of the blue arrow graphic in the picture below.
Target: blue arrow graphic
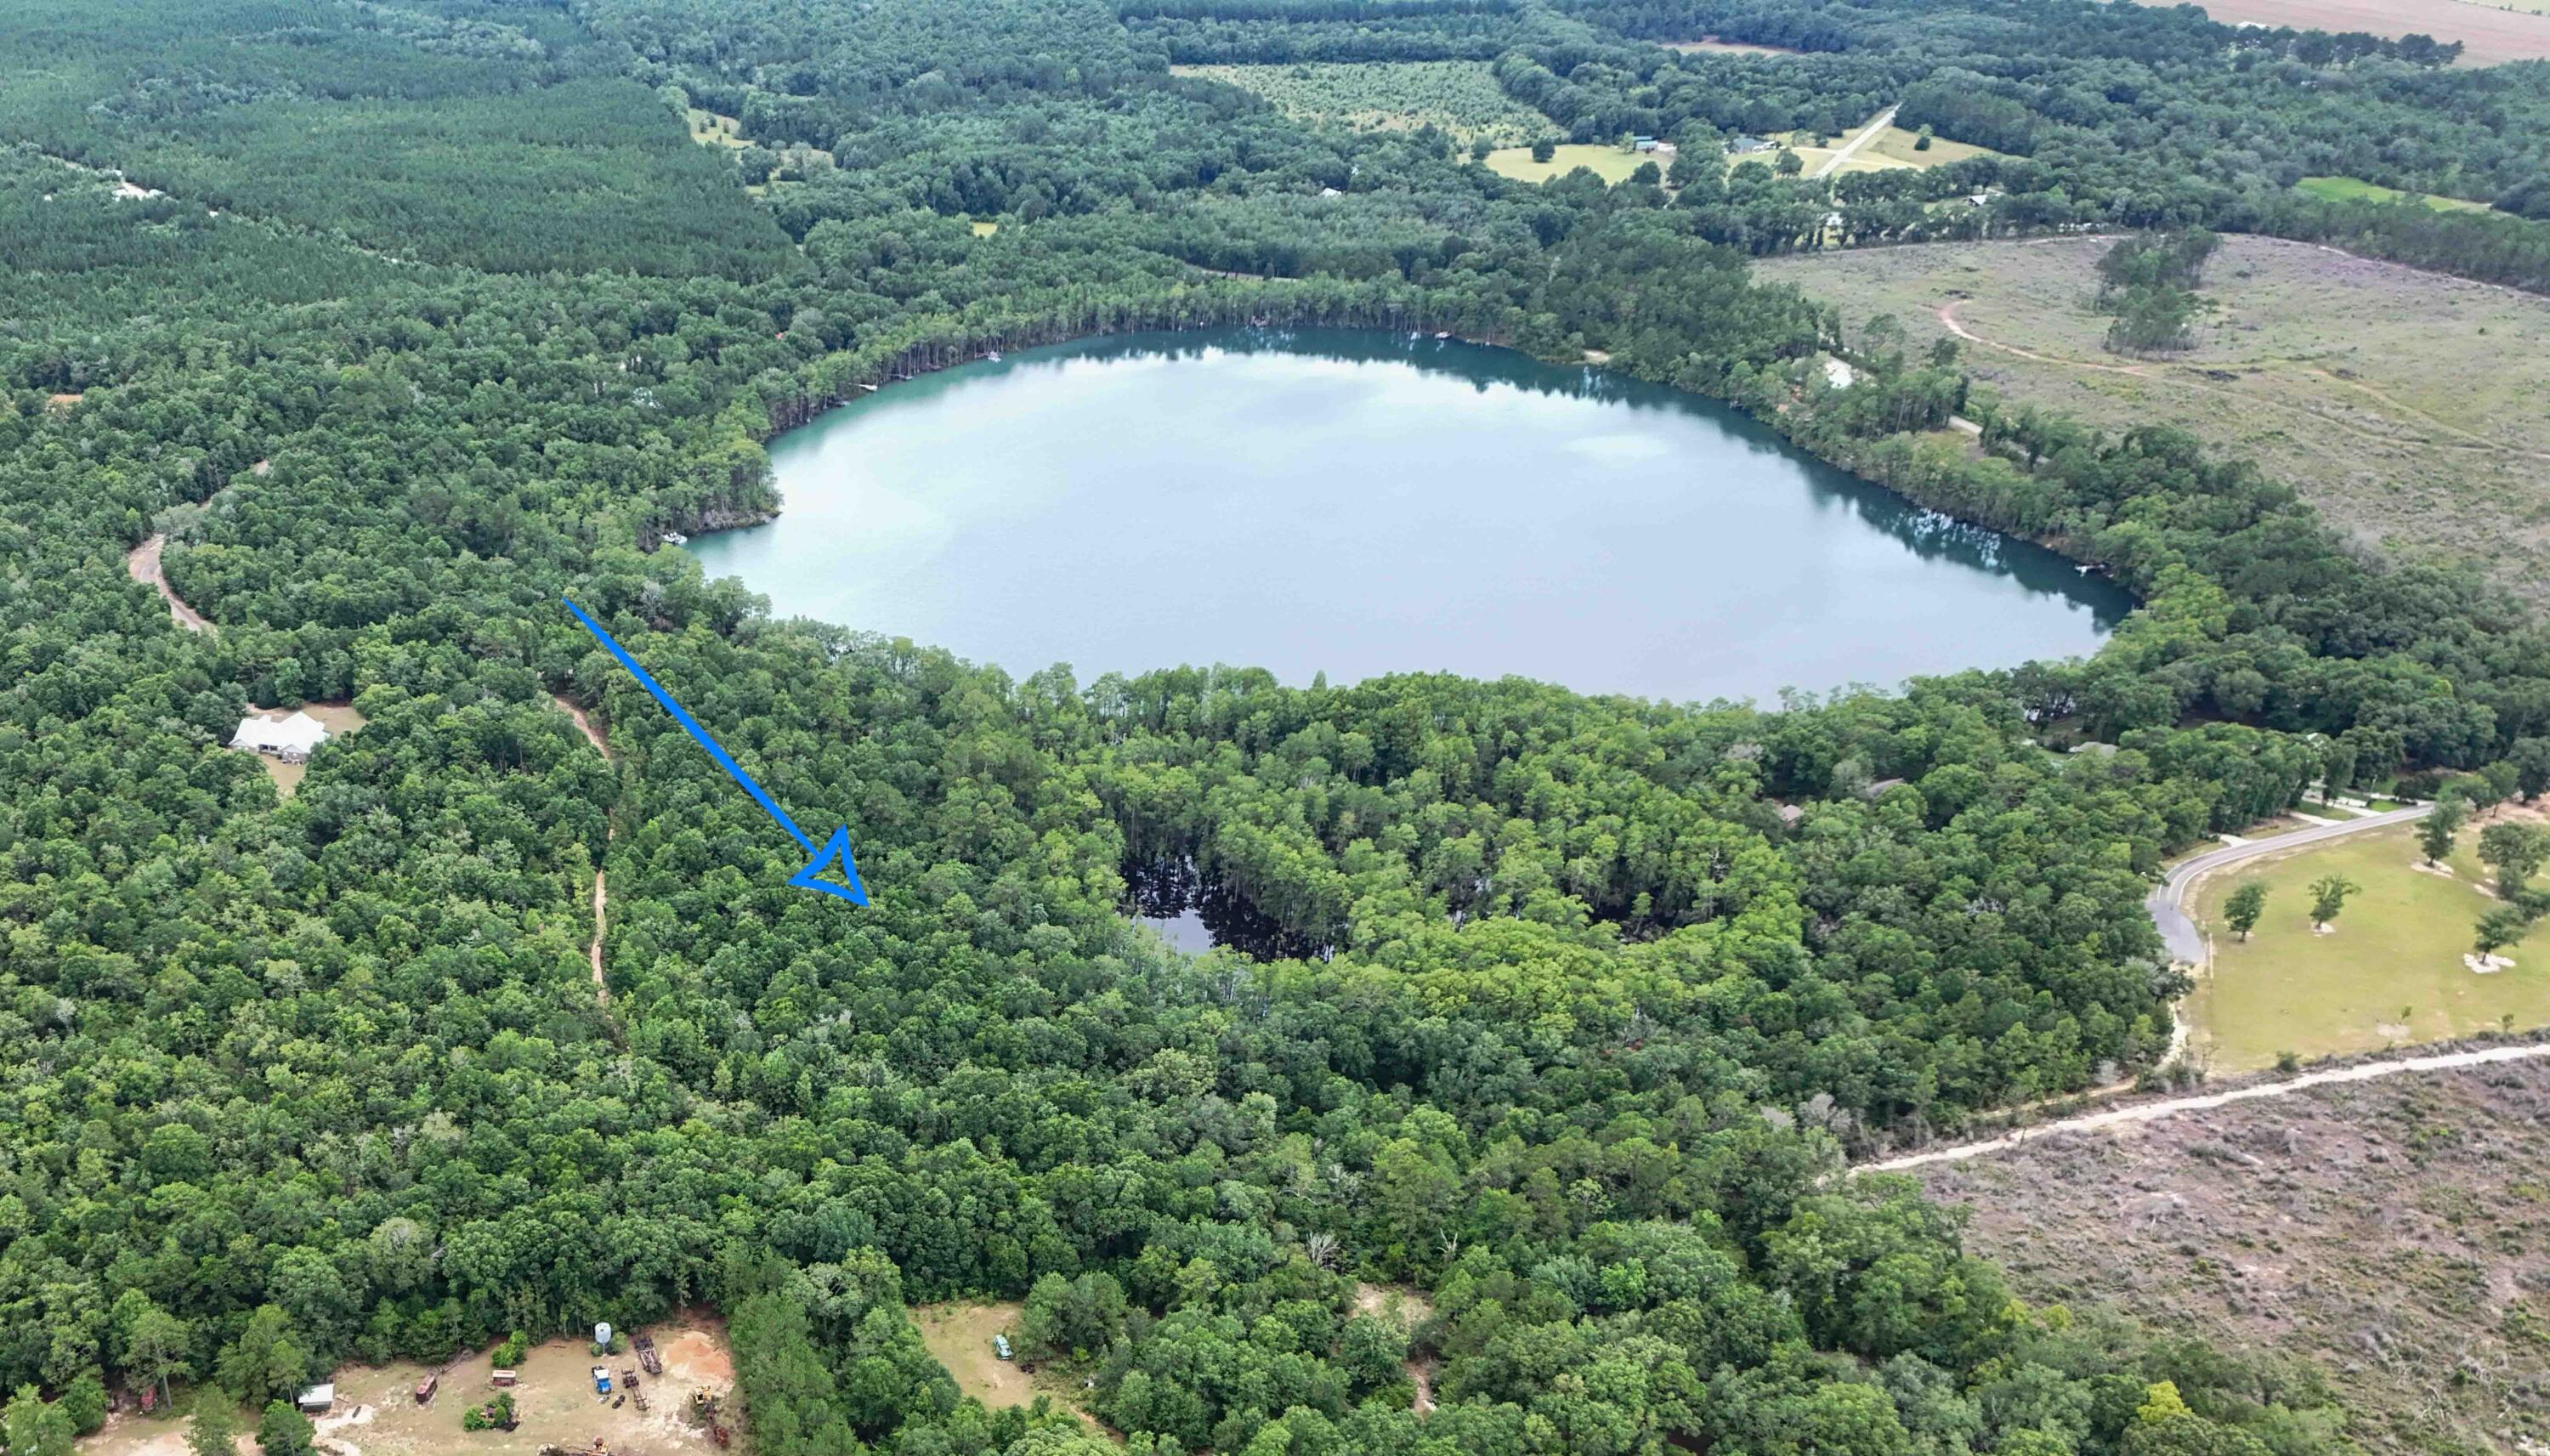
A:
(839, 843)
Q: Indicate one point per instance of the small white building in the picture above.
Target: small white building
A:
(288, 739)
(319, 1398)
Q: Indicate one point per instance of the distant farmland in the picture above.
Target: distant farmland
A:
(2487, 34)
(2404, 405)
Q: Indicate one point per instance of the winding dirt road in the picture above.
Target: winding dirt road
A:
(143, 566)
(600, 884)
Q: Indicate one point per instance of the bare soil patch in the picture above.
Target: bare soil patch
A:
(1712, 45)
(376, 1414)
(2391, 1232)
(2488, 36)
(2401, 403)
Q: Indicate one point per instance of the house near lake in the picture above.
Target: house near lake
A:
(288, 739)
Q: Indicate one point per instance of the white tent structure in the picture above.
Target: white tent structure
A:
(288, 739)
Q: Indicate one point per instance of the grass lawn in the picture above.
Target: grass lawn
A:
(2390, 972)
(711, 130)
(2349, 190)
(1610, 163)
(986, 229)
(1896, 145)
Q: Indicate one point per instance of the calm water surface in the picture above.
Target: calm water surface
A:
(1361, 503)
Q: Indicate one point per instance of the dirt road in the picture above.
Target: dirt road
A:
(2154, 1111)
(143, 565)
(1857, 142)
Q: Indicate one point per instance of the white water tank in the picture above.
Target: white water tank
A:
(602, 1333)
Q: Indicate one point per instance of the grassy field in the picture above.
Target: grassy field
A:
(2404, 405)
(711, 130)
(2390, 972)
(1610, 163)
(2396, 1234)
(1892, 148)
(986, 229)
(2352, 189)
(960, 1334)
(1457, 96)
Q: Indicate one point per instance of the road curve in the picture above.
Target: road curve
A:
(2167, 902)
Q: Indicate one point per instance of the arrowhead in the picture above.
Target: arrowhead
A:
(839, 843)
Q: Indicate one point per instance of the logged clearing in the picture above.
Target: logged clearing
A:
(376, 1414)
(1460, 97)
(2404, 405)
(2487, 34)
(1610, 163)
(2388, 973)
(960, 1335)
(1712, 45)
(2395, 1233)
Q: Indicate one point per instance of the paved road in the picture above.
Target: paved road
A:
(1851, 148)
(2167, 902)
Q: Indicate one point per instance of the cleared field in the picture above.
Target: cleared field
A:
(2394, 1234)
(2354, 190)
(2390, 973)
(711, 130)
(336, 717)
(1461, 97)
(1894, 148)
(1712, 45)
(986, 229)
(2487, 34)
(960, 1334)
(2404, 405)
(376, 1414)
(1610, 163)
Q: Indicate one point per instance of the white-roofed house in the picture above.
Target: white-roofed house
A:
(288, 739)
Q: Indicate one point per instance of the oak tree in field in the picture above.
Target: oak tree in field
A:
(2514, 850)
(2442, 822)
(2242, 910)
(2328, 897)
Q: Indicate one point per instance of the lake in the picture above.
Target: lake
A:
(1357, 503)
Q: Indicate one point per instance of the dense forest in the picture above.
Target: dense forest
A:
(401, 320)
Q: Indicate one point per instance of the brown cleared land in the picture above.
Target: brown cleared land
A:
(2489, 36)
(2403, 404)
(2391, 1232)
(376, 1414)
(1712, 45)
